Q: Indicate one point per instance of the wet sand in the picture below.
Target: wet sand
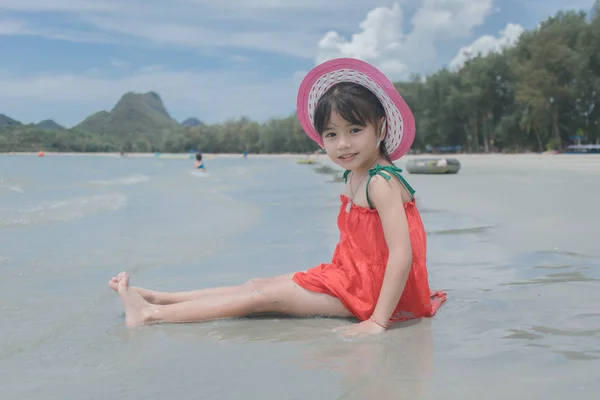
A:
(512, 239)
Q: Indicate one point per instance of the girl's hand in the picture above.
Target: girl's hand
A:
(364, 328)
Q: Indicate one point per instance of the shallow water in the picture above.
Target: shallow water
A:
(513, 240)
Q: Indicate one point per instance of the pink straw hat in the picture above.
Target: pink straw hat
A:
(400, 121)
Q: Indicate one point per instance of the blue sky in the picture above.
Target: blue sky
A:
(214, 60)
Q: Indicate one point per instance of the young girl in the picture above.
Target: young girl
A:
(378, 272)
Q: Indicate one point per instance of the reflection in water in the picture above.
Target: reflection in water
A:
(568, 330)
(588, 315)
(555, 257)
(563, 332)
(564, 254)
(521, 334)
(553, 266)
(579, 355)
(554, 278)
(397, 365)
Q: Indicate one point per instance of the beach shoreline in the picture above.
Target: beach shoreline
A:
(470, 163)
(306, 155)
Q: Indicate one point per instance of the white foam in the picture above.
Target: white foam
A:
(11, 188)
(125, 180)
(60, 210)
(7, 184)
(199, 174)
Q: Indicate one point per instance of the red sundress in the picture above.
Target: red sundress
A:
(355, 273)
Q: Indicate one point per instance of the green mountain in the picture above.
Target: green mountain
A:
(192, 122)
(135, 117)
(7, 121)
(49, 124)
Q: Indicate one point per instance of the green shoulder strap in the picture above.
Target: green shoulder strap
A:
(386, 172)
(345, 176)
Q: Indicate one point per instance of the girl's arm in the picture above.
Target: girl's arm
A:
(386, 196)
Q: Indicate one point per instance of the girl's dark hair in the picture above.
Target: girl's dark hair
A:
(198, 157)
(352, 102)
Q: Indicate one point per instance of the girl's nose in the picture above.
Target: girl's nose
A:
(342, 142)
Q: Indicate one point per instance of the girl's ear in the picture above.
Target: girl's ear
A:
(382, 130)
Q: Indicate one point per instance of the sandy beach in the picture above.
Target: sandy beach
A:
(513, 239)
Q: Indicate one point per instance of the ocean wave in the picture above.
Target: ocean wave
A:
(60, 210)
(8, 185)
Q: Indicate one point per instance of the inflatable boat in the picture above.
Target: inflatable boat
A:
(433, 166)
(309, 161)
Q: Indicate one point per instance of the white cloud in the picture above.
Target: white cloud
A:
(285, 27)
(19, 27)
(59, 5)
(379, 38)
(102, 5)
(288, 27)
(487, 44)
(197, 36)
(12, 27)
(210, 96)
(279, 4)
(383, 40)
(450, 18)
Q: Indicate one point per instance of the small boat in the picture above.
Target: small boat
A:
(583, 149)
(440, 165)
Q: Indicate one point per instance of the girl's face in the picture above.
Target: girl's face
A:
(351, 146)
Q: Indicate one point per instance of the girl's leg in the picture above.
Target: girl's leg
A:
(164, 298)
(261, 296)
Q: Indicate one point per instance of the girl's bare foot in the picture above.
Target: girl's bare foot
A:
(114, 282)
(137, 310)
(148, 295)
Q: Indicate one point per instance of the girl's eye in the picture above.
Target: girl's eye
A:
(354, 130)
(330, 134)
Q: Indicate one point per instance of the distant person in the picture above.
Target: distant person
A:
(199, 164)
(378, 272)
(246, 154)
